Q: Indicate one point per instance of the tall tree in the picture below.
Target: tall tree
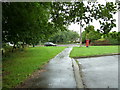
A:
(104, 13)
(90, 34)
(64, 37)
(26, 22)
(78, 12)
(29, 22)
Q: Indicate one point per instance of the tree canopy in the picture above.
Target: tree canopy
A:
(31, 22)
(91, 34)
(27, 22)
(83, 14)
(64, 37)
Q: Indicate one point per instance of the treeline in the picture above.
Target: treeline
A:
(97, 37)
(113, 38)
(91, 34)
(64, 37)
(26, 23)
(31, 22)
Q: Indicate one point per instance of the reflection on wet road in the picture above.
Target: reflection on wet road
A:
(58, 73)
(100, 72)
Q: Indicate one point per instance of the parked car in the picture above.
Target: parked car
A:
(49, 44)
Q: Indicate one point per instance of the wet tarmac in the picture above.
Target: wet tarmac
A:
(100, 72)
(63, 45)
(58, 73)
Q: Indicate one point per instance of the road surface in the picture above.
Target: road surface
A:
(100, 72)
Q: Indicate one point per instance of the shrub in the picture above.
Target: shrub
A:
(113, 41)
(6, 49)
(100, 42)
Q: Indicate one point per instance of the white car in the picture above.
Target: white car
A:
(49, 44)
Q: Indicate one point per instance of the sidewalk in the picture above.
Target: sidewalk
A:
(58, 73)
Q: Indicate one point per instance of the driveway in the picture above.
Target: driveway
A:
(100, 72)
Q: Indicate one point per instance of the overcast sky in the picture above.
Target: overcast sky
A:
(95, 23)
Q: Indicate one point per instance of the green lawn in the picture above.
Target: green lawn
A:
(93, 50)
(18, 66)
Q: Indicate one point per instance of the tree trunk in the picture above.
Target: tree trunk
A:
(23, 45)
(13, 48)
(80, 36)
(33, 45)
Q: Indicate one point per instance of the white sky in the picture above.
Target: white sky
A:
(95, 23)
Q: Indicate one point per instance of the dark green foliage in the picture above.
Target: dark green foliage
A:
(100, 43)
(29, 22)
(65, 37)
(6, 49)
(65, 13)
(113, 37)
(26, 22)
(90, 34)
(104, 13)
(77, 12)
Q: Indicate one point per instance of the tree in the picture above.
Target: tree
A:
(113, 37)
(26, 22)
(29, 22)
(64, 37)
(104, 13)
(118, 5)
(91, 34)
(88, 29)
(78, 12)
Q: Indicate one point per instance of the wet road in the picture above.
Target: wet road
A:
(64, 45)
(100, 72)
(58, 73)
(69, 45)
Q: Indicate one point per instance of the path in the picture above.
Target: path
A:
(58, 73)
(100, 72)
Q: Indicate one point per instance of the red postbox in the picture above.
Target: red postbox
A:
(87, 43)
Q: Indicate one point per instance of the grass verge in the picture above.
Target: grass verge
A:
(19, 65)
(93, 50)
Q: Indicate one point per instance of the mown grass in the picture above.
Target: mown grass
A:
(93, 50)
(19, 65)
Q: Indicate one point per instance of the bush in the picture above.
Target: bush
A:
(113, 37)
(6, 49)
(100, 42)
(113, 41)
